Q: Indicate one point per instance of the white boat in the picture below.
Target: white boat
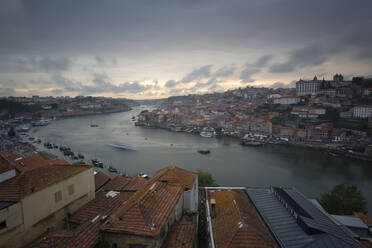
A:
(122, 146)
(206, 134)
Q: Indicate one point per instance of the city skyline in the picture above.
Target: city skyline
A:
(147, 50)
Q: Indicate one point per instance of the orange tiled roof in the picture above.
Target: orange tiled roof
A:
(99, 206)
(10, 156)
(237, 223)
(366, 219)
(31, 162)
(153, 203)
(181, 235)
(122, 183)
(32, 181)
(100, 179)
(176, 175)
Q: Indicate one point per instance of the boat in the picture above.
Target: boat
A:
(112, 169)
(142, 175)
(206, 134)
(94, 125)
(251, 143)
(122, 146)
(204, 151)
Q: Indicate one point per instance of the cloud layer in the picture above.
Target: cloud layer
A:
(160, 48)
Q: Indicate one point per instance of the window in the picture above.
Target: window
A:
(71, 189)
(58, 196)
(2, 223)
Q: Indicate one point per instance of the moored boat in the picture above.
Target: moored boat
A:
(206, 134)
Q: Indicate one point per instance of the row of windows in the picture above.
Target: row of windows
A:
(58, 194)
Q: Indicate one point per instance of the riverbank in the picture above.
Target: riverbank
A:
(329, 148)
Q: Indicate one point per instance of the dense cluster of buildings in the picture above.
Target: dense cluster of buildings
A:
(37, 106)
(46, 202)
(317, 112)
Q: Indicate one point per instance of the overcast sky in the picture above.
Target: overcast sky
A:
(158, 48)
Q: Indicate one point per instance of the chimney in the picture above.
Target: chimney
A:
(213, 208)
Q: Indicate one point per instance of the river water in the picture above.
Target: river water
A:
(311, 172)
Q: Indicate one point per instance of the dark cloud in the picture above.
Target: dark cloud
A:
(100, 84)
(252, 68)
(277, 85)
(312, 55)
(247, 73)
(35, 64)
(52, 37)
(224, 72)
(171, 83)
(198, 74)
(263, 61)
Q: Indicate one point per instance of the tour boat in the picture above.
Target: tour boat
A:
(206, 134)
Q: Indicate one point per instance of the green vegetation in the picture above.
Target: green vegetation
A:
(11, 108)
(343, 200)
(206, 179)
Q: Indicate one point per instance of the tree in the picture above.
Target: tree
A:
(206, 179)
(343, 200)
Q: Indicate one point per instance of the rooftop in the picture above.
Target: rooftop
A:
(5, 166)
(176, 175)
(100, 179)
(103, 202)
(236, 222)
(147, 211)
(122, 183)
(297, 222)
(32, 181)
(31, 162)
(181, 235)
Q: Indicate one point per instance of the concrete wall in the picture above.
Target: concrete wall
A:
(34, 211)
(39, 211)
(191, 198)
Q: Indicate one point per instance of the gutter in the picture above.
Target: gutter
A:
(209, 220)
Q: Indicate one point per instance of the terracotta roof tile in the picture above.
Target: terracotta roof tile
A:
(99, 206)
(100, 179)
(31, 181)
(366, 219)
(31, 162)
(86, 235)
(181, 235)
(122, 183)
(237, 223)
(151, 204)
(176, 175)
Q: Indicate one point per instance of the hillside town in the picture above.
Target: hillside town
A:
(335, 115)
(36, 107)
(48, 202)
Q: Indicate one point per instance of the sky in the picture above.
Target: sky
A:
(147, 49)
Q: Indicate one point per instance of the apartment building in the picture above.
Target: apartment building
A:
(35, 200)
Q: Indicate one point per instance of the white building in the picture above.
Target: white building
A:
(362, 111)
(304, 88)
(286, 100)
